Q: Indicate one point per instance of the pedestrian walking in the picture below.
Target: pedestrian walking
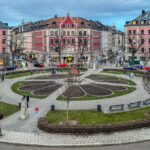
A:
(24, 97)
(26, 64)
(2, 77)
(132, 75)
(28, 98)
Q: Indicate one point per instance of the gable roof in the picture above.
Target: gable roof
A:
(3, 25)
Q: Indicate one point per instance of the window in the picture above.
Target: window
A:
(142, 32)
(134, 32)
(4, 33)
(56, 33)
(130, 49)
(63, 25)
(149, 41)
(84, 33)
(68, 33)
(142, 22)
(142, 58)
(52, 49)
(82, 24)
(56, 41)
(64, 41)
(72, 25)
(148, 21)
(64, 33)
(149, 49)
(3, 41)
(85, 42)
(142, 41)
(134, 22)
(149, 32)
(52, 33)
(68, 26)
(68, 41)
(129, 32)
(4, 50)
(130, 41)
(52, 41)
(142, 50)
(72, 41)
(72, 33)
(80, 41)
(80, 33)
(54, 24)
(56, 49)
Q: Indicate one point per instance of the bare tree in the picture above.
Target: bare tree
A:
(134, 44)
(14, 45)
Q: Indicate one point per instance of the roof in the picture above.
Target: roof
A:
(3, 25)
(145, 16)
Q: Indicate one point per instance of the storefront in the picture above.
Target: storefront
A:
(68, 59)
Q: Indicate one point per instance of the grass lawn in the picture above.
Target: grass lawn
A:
(113, 72)
(15, 88)
(12, 76)
(95, 117)
(8, 109)
(91, 97)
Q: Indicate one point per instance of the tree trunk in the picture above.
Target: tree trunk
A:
(133, 54)
(67, 117)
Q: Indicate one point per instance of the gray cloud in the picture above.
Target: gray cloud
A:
(31, 10)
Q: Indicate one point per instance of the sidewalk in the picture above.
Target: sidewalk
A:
(75, 140)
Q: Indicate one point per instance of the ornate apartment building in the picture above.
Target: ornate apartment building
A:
(4, 43)
(139, 30)
(69, 37)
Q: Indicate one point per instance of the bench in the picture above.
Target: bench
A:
(116, 107)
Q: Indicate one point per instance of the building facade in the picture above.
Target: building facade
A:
(4, 43)
(139, 30)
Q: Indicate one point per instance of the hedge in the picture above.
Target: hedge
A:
(117, 69)
(91, 129)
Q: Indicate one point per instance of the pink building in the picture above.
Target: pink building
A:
(4, 43)
(139, 30)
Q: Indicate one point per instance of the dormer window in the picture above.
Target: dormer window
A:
(142, 22)
(82, 24)
(54, 24)
(68, 26)
(72, 25)
(63, 25)
(134, 22)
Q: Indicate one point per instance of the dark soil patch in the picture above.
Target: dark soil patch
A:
(101, 78)
(74, 91)
(60, 76)
(36, 86)
(47, 91)
(111, 87)
(98, 91)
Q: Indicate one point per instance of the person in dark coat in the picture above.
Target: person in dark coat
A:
(28, 101)
(2, 77)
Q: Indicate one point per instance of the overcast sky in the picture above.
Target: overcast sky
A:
(107, 11)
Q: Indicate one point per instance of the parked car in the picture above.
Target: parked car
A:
(9, 68)
(130, 68)
(38, 64)
(62, 65)
(27, 59)
(139, 66)
(146, 67)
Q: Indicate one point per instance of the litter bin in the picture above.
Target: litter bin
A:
(19, 105)
(99, 108)
(52, 107)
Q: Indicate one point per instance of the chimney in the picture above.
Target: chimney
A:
(143, 12)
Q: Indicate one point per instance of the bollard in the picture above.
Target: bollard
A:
(99, 108)
(0, 132)
(19, 104)
(52, 107)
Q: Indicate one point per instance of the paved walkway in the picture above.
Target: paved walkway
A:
(26, 132)
(75, 140)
